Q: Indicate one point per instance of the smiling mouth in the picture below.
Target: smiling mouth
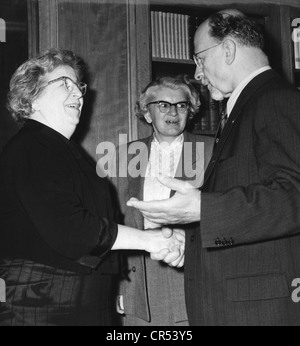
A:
(172, 122)
(74, 106)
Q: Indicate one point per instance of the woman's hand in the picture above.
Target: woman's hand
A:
(163, 244)
(167, 245)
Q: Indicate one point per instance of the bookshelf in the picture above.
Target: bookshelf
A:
(275, 20)
(172, 32)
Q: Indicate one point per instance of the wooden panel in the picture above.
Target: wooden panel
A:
(33, 28)
(13, 52)
(143, 62)
(97, 32)
(48, 25)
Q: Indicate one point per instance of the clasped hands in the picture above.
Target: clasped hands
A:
(167, 245)
(182, 208)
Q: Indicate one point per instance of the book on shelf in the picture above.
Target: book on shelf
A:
(209, 117)
(178, 23)
(176, 35)
(194, 23)
(164, 35)
(185, 39)
(204, 108)
(160, 42)
(154, 52)
(170, 35)
(214, 114)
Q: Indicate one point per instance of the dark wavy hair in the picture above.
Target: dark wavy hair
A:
(245, 30)
(181, 82)
(28, 81)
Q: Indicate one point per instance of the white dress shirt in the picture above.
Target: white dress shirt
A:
(163, 160)
(238, 90)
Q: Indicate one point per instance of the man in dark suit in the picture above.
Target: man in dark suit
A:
(240, 267)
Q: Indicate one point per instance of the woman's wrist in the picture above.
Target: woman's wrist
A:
(133, 239)
(152, 240)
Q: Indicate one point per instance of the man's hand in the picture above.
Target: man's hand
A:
(182, 208)
(173, 258)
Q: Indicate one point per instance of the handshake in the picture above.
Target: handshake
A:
(167, 245)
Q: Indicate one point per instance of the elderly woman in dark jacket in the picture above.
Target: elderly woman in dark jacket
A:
(151, 293)
(57, 219)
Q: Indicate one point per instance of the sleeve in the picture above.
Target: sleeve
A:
(43, 186)
(270, 208)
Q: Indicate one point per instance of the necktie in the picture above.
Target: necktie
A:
(223, 120)
(224, 117)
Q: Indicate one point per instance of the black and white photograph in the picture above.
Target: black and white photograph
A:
(149, 165)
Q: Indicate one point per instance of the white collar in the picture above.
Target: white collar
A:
(238, 90)
(177, 141)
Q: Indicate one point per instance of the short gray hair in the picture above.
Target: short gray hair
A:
(27, 82)
(181, 82)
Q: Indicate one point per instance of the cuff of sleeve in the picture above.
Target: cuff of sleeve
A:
(107, 237)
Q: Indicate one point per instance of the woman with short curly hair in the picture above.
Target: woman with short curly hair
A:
(57, 218)
(29, 80)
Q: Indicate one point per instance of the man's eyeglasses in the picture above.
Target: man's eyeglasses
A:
(165, 107)
(198, 60)
(70, 84)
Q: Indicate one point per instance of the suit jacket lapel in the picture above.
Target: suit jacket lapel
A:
(249, 91)
(136, 185)
(188, 161)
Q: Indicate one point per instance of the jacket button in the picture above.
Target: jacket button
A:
(218, 242)
(231, 241)
(192, 238)
(133, 269)
(225, 242)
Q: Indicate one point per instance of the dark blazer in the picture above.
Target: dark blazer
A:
(57, 226)
(134, 287)
(240, 267)
(54, 209)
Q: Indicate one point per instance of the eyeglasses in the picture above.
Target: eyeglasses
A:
(70, 84)
(198, 60)
(165, 107)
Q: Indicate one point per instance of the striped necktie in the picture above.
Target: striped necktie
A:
(223, 119)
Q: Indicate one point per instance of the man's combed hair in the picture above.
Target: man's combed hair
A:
(245, 30)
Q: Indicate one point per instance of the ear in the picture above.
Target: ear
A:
(35, 106)
(230, 48)
(148, 117)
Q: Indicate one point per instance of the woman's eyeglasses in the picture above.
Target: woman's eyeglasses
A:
(70, 84)
(165, 107)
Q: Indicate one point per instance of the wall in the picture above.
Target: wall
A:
(97, 32)
(12, 53)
